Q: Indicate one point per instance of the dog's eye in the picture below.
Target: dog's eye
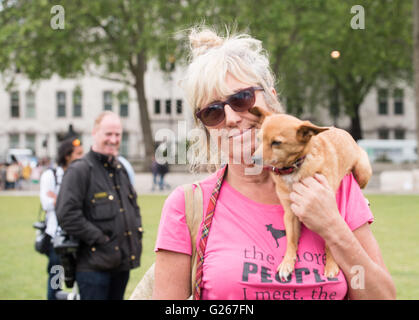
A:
(276, 143)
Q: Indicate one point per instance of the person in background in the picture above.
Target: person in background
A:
(2, 176)
(159, 171)
(154, 172)
(68, 151)
(12, 174)
(36, 173)
(98, 205)
(163, 169)
(26, 174)
(26, 171)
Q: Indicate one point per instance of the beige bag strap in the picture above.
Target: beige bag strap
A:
(193, 213)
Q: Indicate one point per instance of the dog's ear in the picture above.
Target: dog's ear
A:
(262, 113)
(307, 130)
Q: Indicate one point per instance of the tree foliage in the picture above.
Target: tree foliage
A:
(116, 37)
(120, 36)
(300, 36)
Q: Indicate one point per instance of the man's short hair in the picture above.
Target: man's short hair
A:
(103, 114)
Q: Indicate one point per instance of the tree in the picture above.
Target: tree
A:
(416, 65)
(122, 35)
(118, 37)
(380, 52)
(308, 31)
(300, 36)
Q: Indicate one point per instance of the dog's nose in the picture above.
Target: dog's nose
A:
(257, 160)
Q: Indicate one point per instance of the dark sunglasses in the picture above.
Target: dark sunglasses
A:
(241, 101)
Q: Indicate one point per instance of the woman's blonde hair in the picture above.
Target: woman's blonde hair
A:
(211, 58)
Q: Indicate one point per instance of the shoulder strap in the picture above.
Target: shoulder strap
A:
(54, 172)
(194, 214)
(124, 164)
(208, 218)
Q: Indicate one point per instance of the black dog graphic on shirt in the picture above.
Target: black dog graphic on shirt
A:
(277, 234)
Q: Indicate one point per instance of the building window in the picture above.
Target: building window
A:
(123, 103)
(179, 106)
(382, 101)
(107, 100)
(399, 134)
(77, 109)
(30, 141)
(398, 101)
(14, 104)
(14, 140)
(168, 107)
(124, 144)
(30, 104)
(157, 107)
(383, 133)
(61, 109)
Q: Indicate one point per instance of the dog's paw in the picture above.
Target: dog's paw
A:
(285, 269)
(331, 269)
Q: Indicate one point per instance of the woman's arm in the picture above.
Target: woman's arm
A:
(359, 257)
(173, 250)
(357, 253)
(172, 278)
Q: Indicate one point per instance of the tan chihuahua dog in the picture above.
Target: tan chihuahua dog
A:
(292, 150)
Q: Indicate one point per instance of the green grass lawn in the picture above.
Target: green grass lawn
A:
(23, 271)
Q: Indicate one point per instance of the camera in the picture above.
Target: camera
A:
(42, 240)
(40, 225)
(66, 248)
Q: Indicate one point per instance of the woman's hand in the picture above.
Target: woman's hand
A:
(314, 204)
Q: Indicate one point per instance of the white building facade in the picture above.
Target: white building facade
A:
(36, 115)
(387, 113)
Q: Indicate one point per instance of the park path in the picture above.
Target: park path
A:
(144, 182)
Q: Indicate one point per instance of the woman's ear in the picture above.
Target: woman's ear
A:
(273, 91)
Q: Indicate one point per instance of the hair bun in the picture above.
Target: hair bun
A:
(202, 41)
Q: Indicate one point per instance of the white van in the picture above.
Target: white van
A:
(396, 151)
(23, 156)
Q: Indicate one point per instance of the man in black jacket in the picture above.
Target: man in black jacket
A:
(98, 205)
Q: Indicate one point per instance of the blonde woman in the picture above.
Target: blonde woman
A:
(244, 241)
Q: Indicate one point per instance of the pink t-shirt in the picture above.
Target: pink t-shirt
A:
(247, 241)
